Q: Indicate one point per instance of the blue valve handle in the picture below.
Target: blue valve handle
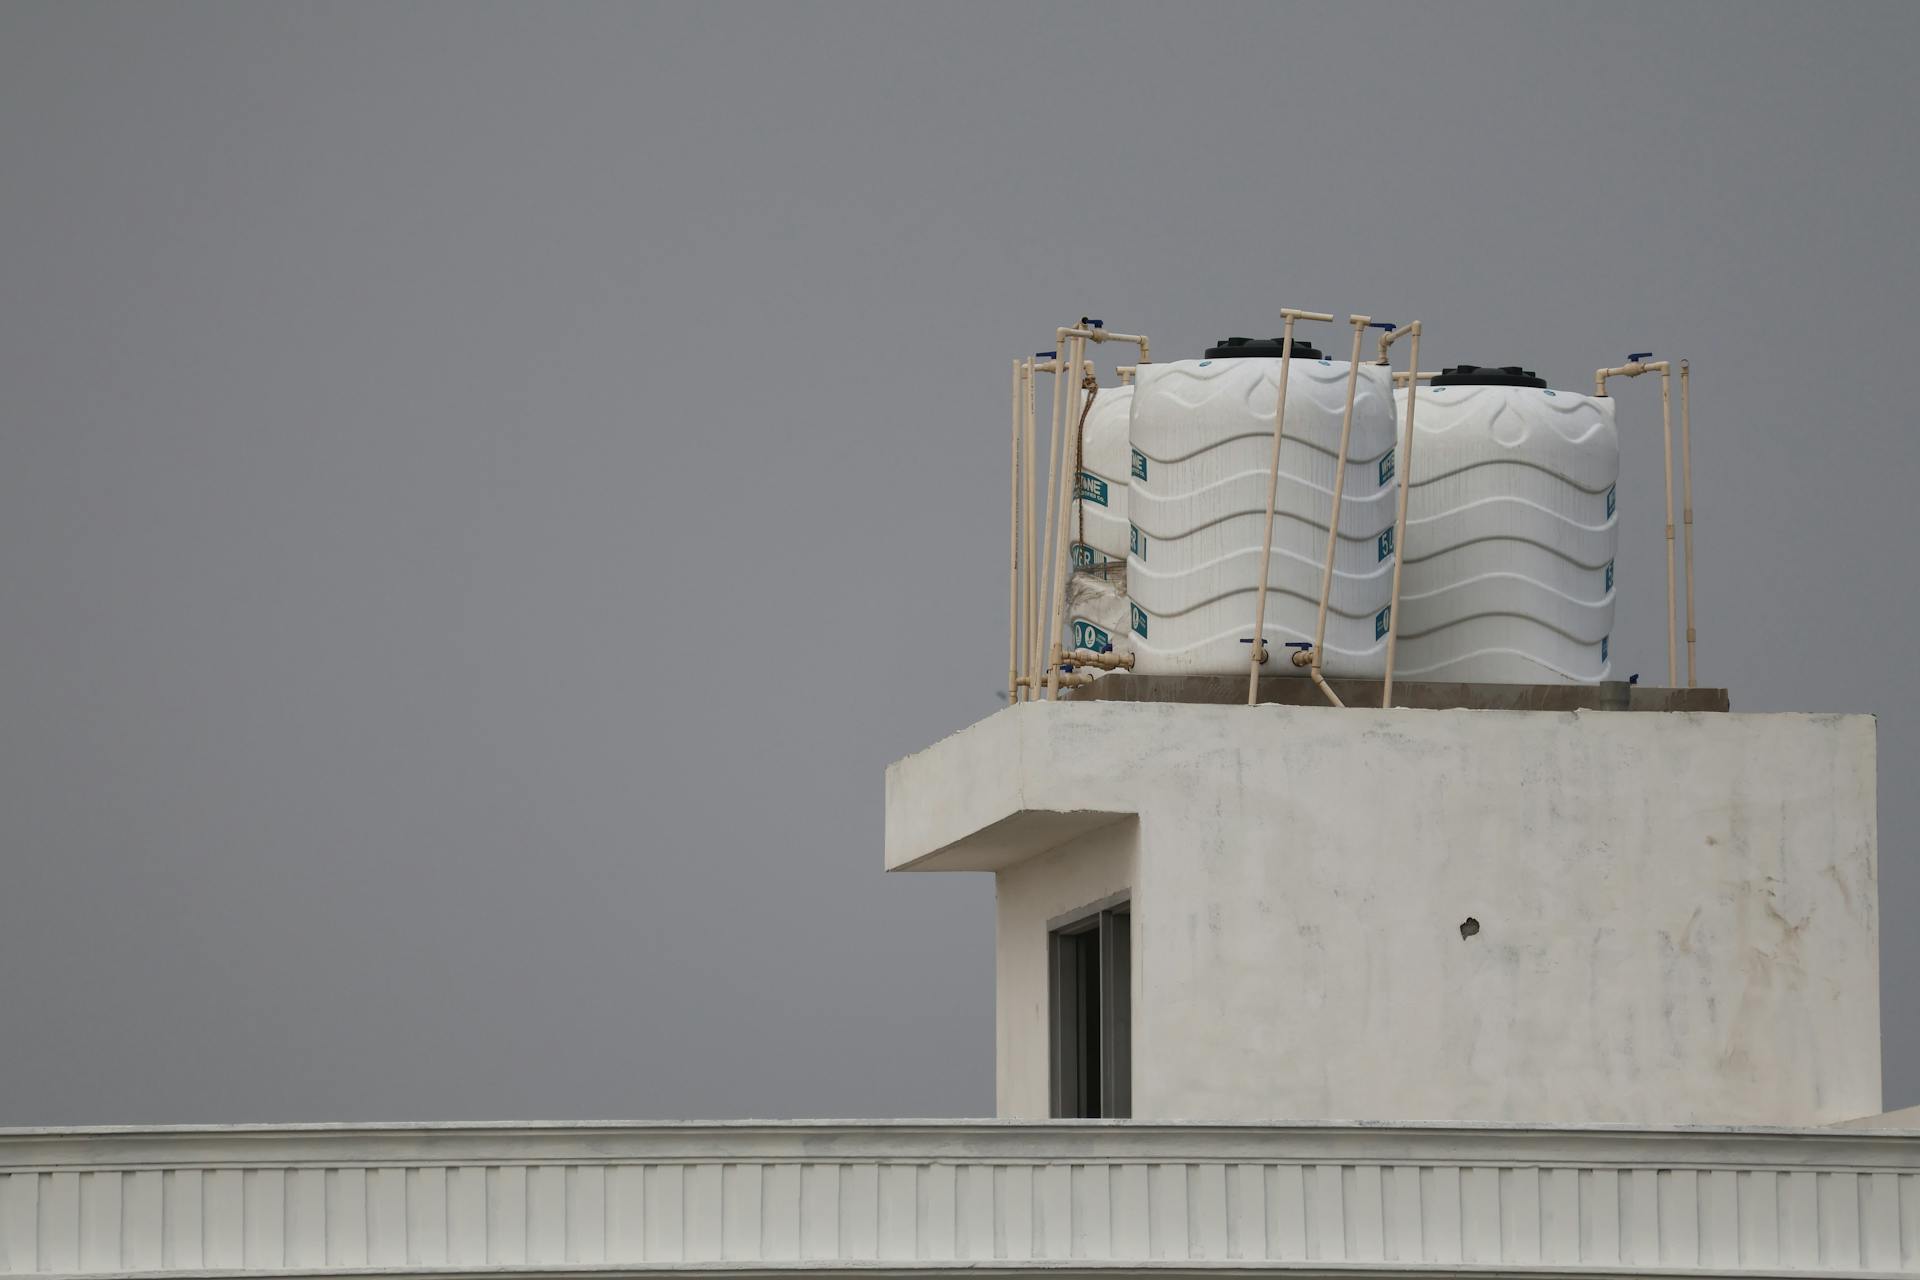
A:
(1638, 356)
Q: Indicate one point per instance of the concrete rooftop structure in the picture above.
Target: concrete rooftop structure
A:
(1452, 915)
(1284, 989)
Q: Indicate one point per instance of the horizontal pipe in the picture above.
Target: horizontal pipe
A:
(1105, 661)
(1404, 376)
(1102, 335)
(1632, 369)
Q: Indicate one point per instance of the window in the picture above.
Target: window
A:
(1090, 980)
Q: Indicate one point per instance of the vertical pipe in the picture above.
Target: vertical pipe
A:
(1013, 550)
(1068, 479)
(1404, 464)
(1359, 324)
(1686, 512)
(1044, 567)
(1666, 432)
(1273, 494)
(1032, 538)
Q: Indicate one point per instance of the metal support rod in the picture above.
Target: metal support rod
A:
(1404, 465)
(1359, 324)
(1686, 512)
(1633, 369)
(1288, 316)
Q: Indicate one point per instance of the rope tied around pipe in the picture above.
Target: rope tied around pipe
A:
(1091, 385)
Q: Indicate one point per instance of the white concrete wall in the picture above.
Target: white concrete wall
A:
(1678, 920)
(1089, 869)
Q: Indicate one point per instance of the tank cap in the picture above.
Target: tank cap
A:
(1266, 348)
(1482, 375)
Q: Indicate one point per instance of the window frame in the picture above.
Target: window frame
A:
(1102, 972)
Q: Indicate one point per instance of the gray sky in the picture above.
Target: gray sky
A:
(484, 490)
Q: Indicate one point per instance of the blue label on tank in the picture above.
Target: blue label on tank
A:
(1090, 487)
(1139, 465)
(1380, 622)
(1610, 489)
(1088, 636)
(1386, 543)
(1205, 363)
(1386, 467)
(1137, 541)
(1085, 557)
(1139, 619)
(1603, 647)
(1609, 575)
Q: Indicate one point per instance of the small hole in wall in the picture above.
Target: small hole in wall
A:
(1469, 927)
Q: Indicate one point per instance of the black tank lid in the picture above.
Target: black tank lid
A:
(1481, 375)
(1267, 348)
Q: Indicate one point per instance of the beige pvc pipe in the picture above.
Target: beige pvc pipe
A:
(1288, 316)
(1046, 559)
(1060, 567)
(1634, 369)
(1405, 376)
(1389, 338)
(1359, 324)
(1013, 552)
(1686, 512)
(1102, 335)
(1404, 464)
(1666, 436)
(1026, 513)
(1105, 661)
(1044, 567)
(1030, 591)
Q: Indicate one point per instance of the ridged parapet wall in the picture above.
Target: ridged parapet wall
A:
(978, 1196)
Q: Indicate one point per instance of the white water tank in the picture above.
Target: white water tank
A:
(1099, 520)
(1097, 610)
(1097, 613)
(1202, 439)
(1511, 532)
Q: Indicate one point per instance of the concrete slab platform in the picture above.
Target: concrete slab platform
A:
(1297, 691)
